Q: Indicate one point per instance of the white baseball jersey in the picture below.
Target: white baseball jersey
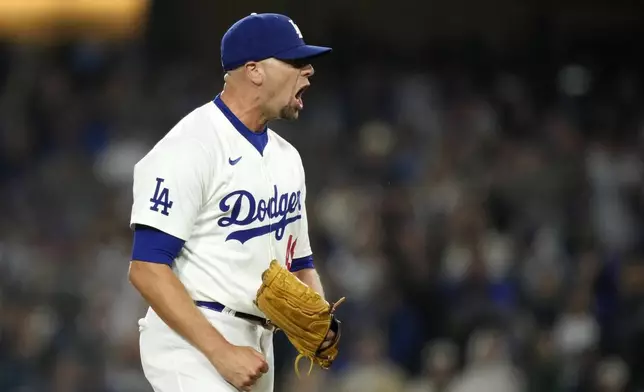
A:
(236, 198)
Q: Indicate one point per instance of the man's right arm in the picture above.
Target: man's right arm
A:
(151, 274)
(168, 193)
(168, 297)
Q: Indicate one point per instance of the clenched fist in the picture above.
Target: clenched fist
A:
(240, 366)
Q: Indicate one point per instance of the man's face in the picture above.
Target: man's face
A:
(284, 86)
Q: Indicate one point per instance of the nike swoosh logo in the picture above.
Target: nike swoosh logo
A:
(233, 162)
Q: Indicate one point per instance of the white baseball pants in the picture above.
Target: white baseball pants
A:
(171, 364)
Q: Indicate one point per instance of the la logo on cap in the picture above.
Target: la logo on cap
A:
(297, 29)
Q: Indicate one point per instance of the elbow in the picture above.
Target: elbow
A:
(134, 273)
(139, 273)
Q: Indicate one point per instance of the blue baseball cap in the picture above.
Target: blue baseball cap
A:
(261, 36)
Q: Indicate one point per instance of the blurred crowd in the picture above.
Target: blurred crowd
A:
(483, 221)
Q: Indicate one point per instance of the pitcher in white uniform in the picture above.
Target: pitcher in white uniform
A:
(215, 200)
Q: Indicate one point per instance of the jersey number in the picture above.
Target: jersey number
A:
(161, 198)
(290, 251)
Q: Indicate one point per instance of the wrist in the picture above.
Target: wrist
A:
(217, 348)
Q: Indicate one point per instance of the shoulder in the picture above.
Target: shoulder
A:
(201, 125)
(192, 140)
(285, 147)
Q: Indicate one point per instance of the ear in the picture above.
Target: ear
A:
(255, 73)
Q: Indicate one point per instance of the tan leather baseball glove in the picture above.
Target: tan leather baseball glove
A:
(301, 313)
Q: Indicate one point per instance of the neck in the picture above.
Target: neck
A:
(247, 110)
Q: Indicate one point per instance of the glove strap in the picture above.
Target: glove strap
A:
(335, 304)
(297, 368)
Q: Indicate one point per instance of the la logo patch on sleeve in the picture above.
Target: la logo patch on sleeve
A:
(161, 198)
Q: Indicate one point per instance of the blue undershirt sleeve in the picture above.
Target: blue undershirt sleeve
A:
(302, 263)
(155, 246)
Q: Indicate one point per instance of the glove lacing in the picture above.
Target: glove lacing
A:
(334, 306)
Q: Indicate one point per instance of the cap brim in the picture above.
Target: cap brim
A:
(302, 52)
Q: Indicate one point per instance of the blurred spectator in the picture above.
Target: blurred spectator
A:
(370, 370)
(576, 336)
(612, 375)
(544, 365)
(488, 366)
(439, 368)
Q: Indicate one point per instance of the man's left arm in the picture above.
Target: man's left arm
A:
(302, 263)
(311, 278)
(301, 254)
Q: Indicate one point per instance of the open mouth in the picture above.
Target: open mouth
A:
(298, 96)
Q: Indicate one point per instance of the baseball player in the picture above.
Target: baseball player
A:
(215, 200)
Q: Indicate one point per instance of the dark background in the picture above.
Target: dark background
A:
(475, 190)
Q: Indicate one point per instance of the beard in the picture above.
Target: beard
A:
(289, 113)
